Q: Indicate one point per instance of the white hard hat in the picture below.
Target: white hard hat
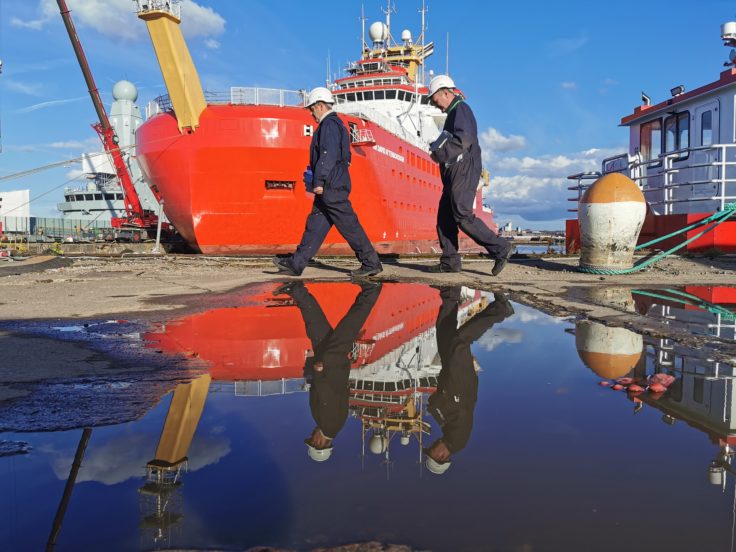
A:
(437, 467)
(319, 94)
(319, 455)
(439, 82)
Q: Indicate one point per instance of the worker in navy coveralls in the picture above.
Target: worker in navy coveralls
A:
(453, 403)
(328, 177)
(458, 153)
(328, 367)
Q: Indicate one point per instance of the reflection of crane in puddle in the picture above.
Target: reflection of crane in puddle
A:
(161, 502)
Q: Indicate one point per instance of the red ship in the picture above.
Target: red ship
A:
(230, 169)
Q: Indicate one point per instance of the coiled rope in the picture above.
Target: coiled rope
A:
(713, 221)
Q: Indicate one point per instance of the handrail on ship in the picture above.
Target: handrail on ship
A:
(240, 95)
(671, 177)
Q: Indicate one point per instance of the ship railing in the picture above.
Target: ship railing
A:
(694, 179)
(266, 388)
(169, 6)
(47, 230)
(384, 121)
(238, 95)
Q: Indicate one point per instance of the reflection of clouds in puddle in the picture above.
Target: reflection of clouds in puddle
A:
(125, 457)
(498, 336)
(527, 314)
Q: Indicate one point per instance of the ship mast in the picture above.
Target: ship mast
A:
(423, 12)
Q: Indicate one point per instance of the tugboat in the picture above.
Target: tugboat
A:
(682, 154)
(230, 166)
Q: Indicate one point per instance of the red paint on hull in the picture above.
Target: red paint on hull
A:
(213, 182)
(723, 237)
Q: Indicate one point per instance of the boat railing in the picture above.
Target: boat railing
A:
(266, 388)
(238, 95)
(384, 121)
(695, 179)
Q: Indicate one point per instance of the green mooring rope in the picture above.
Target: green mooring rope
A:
(689, 299)
(714, 220)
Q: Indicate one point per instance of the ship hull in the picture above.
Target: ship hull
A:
(234, 186)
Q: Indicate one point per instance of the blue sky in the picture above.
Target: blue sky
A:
(548, 81)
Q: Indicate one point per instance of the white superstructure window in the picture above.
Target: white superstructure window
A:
(651, 139)
(706, 128)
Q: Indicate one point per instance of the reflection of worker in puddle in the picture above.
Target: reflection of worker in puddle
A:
(329, 366)
(453, 403)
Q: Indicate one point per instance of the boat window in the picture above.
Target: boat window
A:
(390, 94)
(368, 95)
(683, 129)
(89, 197)
(351, 96)
(402, 95)
(359, 96)
(380, 94)
(79, 197)
(109, 196)
(70, 198)
(425, 99)
(119, 196)
(98, 196)
(651, 139)
(677, 132)
(706, 128)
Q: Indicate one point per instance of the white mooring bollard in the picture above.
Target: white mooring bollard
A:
(610, 353)
(610, 214)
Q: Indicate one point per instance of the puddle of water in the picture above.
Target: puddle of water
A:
(701, 310)
(541, 457)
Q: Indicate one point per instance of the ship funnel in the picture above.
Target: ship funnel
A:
(162, 18)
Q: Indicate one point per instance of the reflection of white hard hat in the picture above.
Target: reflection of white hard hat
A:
(377, 444)
(435, 467)
(439, 82)
(404, 440)
(320, 94)
(319, 455)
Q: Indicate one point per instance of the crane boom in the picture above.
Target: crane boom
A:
(136, 216)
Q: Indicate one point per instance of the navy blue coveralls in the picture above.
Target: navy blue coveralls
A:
(329, 391)
(453, 403)
(460, 168)
(329, 158)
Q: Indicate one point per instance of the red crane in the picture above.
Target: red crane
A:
(136, 217)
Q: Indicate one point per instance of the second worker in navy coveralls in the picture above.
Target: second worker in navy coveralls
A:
(328, 177)
(458, 153)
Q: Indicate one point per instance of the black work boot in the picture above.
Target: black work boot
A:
(285, 266)
(365, 271)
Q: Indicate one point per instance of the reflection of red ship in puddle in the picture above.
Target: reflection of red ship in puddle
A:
(264, 338)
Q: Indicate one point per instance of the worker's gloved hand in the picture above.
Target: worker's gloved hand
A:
(308, 178)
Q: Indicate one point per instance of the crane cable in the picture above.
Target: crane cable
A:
(42, 168)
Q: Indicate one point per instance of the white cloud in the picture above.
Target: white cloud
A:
(492, 140)
(125, 457)
(564, 46)
(117, 18)
(535, 187)
(498, 336)
(568, 85)
(50, 103)
(24, 88)
(198, 20)
(212, 44)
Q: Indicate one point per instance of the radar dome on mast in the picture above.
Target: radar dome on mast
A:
(125, 90)
(378, 32)
(406, 37)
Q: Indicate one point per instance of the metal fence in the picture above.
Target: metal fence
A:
(691, 180)
(43, 229)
